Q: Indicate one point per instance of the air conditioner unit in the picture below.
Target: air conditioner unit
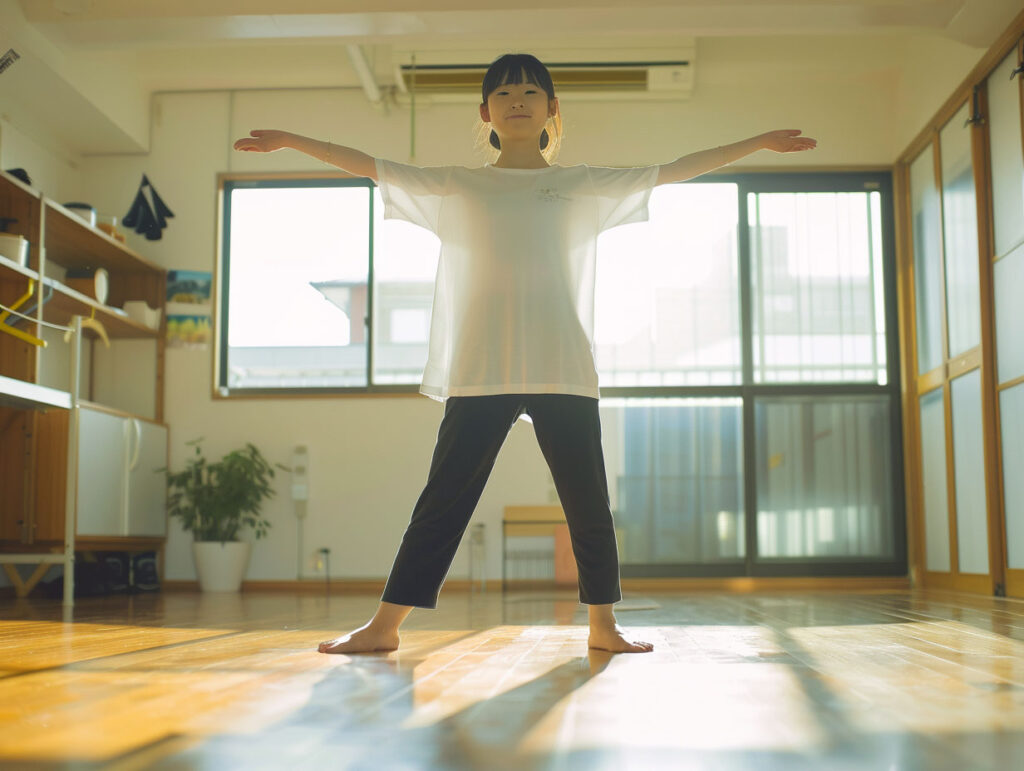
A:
(579, 74)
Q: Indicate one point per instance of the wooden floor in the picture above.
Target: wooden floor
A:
(796, 681)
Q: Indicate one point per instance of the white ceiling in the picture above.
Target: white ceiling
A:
(98, 61)
(138, 24)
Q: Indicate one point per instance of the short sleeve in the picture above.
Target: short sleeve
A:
(413, 193)
(622, 194)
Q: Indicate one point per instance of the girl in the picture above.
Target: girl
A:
(512, 328)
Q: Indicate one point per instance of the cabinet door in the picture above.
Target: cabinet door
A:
(101, 473)
(147, 489)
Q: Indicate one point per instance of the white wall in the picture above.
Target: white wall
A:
(369, 456)
(52, 167)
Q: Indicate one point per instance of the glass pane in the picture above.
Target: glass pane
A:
(675, 478)
(924, 201)
(816, 268)
(404, 267)
(960, 233)
(1011, 415)
(933, 472)
(667, 295)
(1007, 158)
(1008, 275)
(305, 250)
(969, 465)
(824, 475)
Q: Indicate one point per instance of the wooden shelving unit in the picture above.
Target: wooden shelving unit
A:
(73, 243)
(39, 518)
(29, 396)
(9, 269)
(65, 303)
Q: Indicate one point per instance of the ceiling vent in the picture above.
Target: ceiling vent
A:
(661, 74)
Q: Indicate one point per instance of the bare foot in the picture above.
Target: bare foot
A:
(363, 640)
(614, 639)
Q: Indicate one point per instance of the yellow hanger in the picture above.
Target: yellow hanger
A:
(95, 324)
(13, 331)
(21, 300)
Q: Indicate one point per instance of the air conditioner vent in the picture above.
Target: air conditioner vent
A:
(625, 73)
(567, 78)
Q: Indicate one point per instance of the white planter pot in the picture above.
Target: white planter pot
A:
(220, 566)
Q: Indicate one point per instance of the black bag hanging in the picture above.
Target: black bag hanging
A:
(145, 219)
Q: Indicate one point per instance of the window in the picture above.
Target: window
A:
(816, 271)
(298, 257)
(750, 396)
(667, 305)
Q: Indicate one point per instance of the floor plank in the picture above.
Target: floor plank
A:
(904, 680)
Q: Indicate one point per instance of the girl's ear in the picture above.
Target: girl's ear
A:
(485, 113)
(553, 107)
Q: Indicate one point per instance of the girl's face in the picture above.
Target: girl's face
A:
(518, 110)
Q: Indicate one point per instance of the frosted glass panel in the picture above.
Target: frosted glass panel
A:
(924, 201)
(1007, 166)
(1011, 412)
(1009, 279)
(960, 234)
(824, 477)
(936, 504)
(969, 464)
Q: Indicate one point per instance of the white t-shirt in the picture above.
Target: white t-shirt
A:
(513, 308)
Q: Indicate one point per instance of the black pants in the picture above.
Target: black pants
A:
(472, 432)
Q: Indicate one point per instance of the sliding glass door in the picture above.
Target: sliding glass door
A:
(745, 341)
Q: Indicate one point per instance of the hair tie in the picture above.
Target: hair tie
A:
(496, 143)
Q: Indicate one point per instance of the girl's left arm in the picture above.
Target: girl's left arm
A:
(695, 164)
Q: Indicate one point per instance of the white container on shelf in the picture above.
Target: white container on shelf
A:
(139, 311)
(15, 248)
(85, 212)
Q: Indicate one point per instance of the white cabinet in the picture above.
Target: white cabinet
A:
(120, 492)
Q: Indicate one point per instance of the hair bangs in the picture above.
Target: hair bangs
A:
(515, 69)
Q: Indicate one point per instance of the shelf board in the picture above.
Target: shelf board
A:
(9, 269)
(73, 243)
(28, 396)
(65, 302)
(9, 180)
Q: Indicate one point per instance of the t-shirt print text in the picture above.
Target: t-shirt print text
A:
(548, 195)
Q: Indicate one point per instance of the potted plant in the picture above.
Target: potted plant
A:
(214, 502)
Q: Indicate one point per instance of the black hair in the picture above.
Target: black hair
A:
(516, 69)
(510, 68)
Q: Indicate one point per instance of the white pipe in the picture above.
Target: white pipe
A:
(362, 68)
(400, 79)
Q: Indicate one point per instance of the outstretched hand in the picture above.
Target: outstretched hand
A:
(787, 141)
(262, 141)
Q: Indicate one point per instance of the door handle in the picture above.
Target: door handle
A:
(138, 445)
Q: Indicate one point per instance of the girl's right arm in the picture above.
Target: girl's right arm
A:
(345, 158)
